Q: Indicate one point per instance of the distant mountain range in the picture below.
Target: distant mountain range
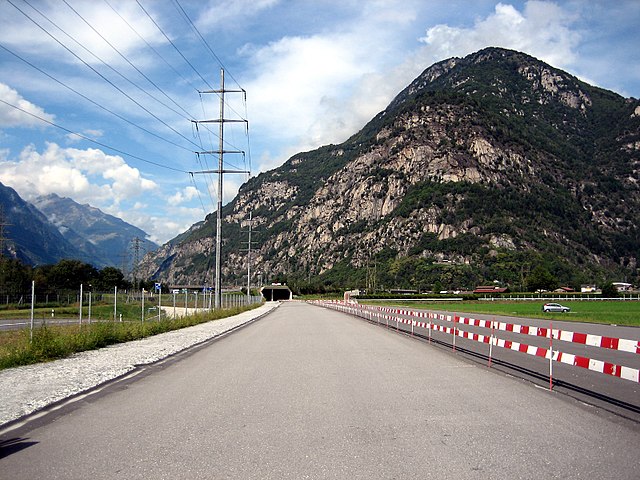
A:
(27, 234)
(55, 228)
(488, 167)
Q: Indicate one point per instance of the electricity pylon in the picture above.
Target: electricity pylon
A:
(220, 171)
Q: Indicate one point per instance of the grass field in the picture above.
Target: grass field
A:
(605, 312)
(18, 347)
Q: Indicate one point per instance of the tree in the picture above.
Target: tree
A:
(541, 279)
(108, 278)
(66, 275)
(15, 277)
(609, 291)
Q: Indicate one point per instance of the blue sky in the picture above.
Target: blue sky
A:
(314, 72)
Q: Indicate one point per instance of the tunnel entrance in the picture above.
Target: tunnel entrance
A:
(274, 293)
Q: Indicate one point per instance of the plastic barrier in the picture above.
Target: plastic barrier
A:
(451, 325)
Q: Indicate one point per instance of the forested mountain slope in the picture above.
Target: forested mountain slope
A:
(488, 167)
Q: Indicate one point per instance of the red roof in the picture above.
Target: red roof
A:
(490, 290)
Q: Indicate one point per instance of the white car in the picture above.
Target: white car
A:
(555, 307)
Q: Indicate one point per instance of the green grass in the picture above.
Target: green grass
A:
(605, 312)
(50, 342)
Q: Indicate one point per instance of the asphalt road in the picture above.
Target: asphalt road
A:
(605, 391)
(312, 393)
(20, 323)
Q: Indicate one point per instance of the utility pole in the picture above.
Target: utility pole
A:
(220, 171)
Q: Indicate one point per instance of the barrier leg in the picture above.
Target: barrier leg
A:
(491, 342)
(454, 332)
(550, 356)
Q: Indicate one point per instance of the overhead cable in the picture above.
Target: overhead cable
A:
(173, 44)
(102, 76)
(124, 57)
(124, 119)
(185, 15)
(114, 70)
(89, 139)
(155, 51)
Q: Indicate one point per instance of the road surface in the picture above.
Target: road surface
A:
(605, 391)
(311, 393)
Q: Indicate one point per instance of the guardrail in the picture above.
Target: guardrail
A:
(500, 334)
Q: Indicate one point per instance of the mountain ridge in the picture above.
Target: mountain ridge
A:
(54, 228)
(479, 165)
(102, 236)
(28, 235)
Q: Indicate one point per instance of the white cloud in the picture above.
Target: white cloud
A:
(15, 27)
(311, 90)
(320, 89)
(186, 194)
(222, 13)
(12, 117)
(163, 226)
(542, 29)
(87, 176)
(75, 138)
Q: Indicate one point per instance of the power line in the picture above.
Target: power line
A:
(114, 70)
(101, 75)
(158, 54)
(124, 119)
(129, 61)
(207, 184)
(84, 137)
(205, 43)
(198, 192)
(173, 44)
(185, 15)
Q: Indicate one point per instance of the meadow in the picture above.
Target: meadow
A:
(604, 312)
(49, 342)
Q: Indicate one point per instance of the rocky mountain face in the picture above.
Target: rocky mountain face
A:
(27, 234)
(484, 168)
(103, 238)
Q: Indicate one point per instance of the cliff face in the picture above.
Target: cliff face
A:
(496, 155)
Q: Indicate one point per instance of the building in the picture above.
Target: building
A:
(490, 289)
(622, 286)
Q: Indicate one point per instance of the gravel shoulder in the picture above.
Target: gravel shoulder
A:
(25, 390)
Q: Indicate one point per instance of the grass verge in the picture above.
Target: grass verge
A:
(51, 342)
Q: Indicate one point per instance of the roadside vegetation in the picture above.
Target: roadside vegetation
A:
(50, 342)
(605, 312)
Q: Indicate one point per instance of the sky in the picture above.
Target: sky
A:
(101, 101)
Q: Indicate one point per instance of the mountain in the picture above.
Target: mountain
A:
(495, 166)
(103, 238)
(27, 234)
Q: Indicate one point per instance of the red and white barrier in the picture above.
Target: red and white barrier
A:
(450, 324)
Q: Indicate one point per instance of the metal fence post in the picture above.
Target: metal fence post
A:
(33, 291)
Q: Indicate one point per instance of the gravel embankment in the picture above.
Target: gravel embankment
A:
(24, 390)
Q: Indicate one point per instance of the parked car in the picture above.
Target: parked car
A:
(555, 307)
